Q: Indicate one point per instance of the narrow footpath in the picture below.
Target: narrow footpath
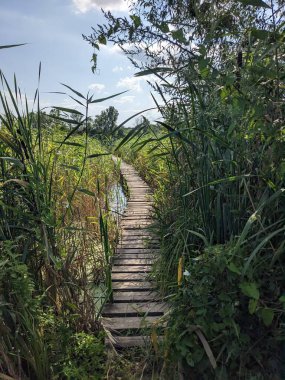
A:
(136, 308)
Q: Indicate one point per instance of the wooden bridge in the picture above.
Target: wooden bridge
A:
(136, 306)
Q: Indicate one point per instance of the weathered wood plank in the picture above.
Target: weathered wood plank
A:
(130, 323)
(139, 296)
(131, 269)
(128, 276)
(132, 285)
(137, 250)
(133, 309)
(132, 262)
(131, 256)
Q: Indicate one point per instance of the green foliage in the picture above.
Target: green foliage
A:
(104, 126)
(217, 166)
(53, 269)
(85, 358)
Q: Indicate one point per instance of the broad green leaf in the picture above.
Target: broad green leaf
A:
(250, 289)
(267, 316)
(136, 20)
(252, 306)
(282, 299)
(254, 3)
(233, 268)
(178, 35)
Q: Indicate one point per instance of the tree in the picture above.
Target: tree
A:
(104, 124)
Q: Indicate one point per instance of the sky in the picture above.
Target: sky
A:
(53, 32)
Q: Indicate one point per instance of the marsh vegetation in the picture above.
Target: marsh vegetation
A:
(215, 160)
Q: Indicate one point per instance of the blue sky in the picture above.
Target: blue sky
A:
(53, 30)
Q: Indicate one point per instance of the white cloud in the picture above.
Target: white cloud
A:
(111, 49)
(117, 69)
(83, 6)
(125, 99)
(99, 87)
(130, 83)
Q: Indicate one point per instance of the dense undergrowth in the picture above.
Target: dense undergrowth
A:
(216, 161)
(56, 235)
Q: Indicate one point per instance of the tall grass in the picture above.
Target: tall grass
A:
(54, 273)
(217, 162)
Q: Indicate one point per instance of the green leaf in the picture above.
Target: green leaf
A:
(136, 20)
(260, 34)
(98, 155)
(10, 46)
(163, 27)
(75, 92)
(69, 143)
(233, 268)
(72, 167)
(254, 3)
(108, 97)
(282, 299)
(178, 35)
(86, 191)
(68, 110)
(102, 39)
(154, 70)
(14, 161)
(252, 306)
(267, 316)
(250, 289)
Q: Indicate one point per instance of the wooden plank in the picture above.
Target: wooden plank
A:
(136, 250)
(133, 268)
(132, 261)
(131, 227)
(131, 323)
(132, 286)
(136, 240)
(128, 276)
(137, 232)
(134, 256)
(139, 296)
(133, 309)
(139, 239)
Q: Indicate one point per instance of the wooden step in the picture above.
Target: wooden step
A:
(131, 262)
(132, 286)
(131, 269)
(130, 323)
(128, 276)
(139, 296)
(132, 309)
(134, 256)
(137, 250)
(136, 232)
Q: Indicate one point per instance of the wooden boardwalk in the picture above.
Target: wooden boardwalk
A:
(136, 307)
